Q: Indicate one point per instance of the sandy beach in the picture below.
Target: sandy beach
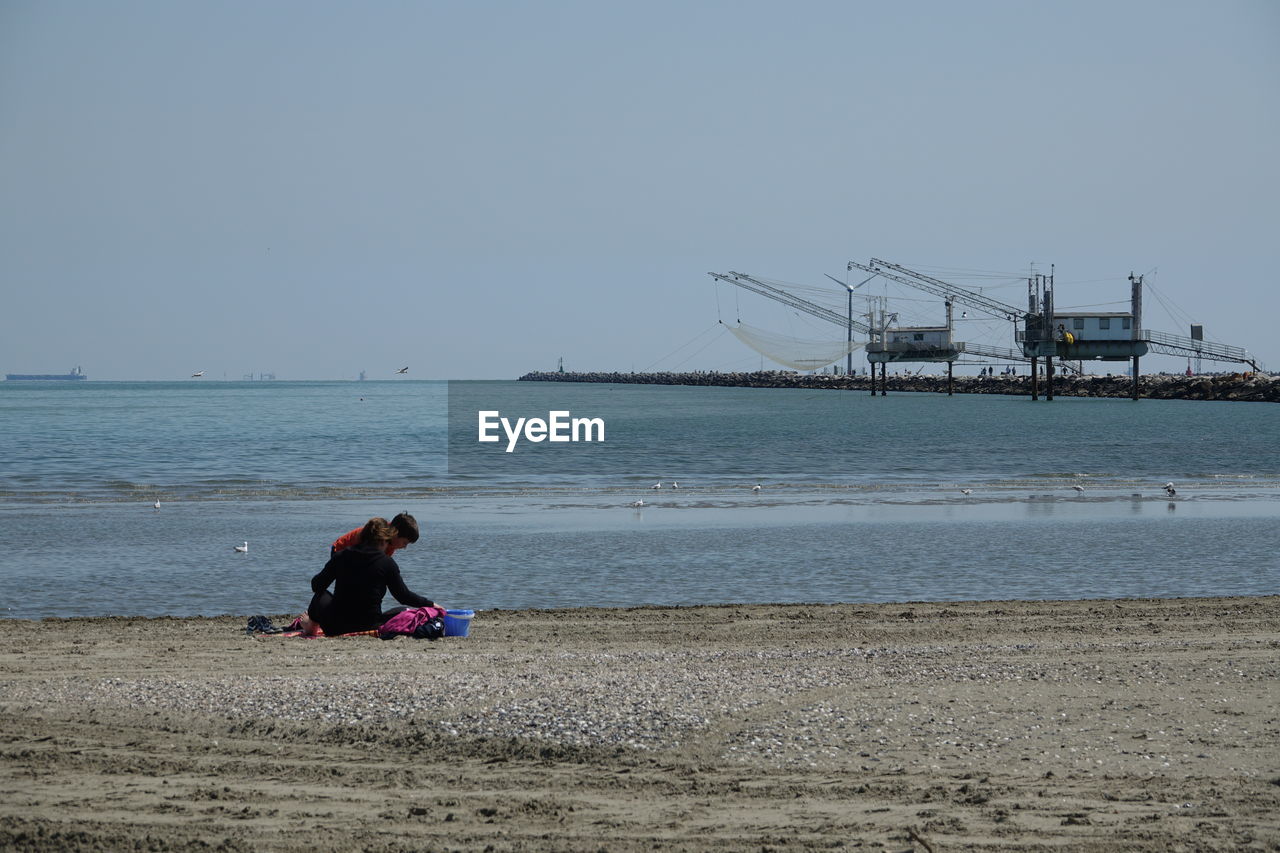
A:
(1081, 725)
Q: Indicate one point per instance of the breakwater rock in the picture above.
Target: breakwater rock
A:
(1256, 387)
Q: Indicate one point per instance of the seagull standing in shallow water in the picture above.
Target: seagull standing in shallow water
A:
(1170, 490)
(243, 549)
(966, 491)
(156, 504)
(1078, 488)
(756, 488)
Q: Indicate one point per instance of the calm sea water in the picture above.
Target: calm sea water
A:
(860, 496)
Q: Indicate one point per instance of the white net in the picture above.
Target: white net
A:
(793, 352)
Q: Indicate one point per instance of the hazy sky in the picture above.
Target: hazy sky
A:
(476, 189)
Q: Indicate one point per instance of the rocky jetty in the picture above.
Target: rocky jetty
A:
(1250, 387)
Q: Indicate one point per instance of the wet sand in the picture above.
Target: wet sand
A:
(1082, 725)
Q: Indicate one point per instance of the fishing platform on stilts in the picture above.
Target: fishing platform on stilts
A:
(1047, 339)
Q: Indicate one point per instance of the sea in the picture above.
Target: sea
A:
(766, 495)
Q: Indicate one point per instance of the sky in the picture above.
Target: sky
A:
(475, 190)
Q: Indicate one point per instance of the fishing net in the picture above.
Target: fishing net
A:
(793, 352)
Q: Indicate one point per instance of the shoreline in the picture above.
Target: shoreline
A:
(600, 613)
(1136, 724)
(1246, 387)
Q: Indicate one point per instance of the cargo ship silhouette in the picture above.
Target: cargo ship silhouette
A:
(73, 376)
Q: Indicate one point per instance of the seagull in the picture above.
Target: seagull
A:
(156, 504)
(1078, 488)
(1170, 490)
(243, 549)
(638, 503)
(657, 485)
(756, 488)
(403, 370)
(966, 491)
(674, 484)
(197, 374)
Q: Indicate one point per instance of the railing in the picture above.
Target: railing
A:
(1199, 347)
(992, 352)
(1162, 342)
(956, 347)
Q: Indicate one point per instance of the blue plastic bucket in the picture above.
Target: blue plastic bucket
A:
(457, 623)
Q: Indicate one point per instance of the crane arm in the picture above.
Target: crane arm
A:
(948, 291)
(771, 291)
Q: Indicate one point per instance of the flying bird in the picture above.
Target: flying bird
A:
(197, 374)
(1078, 488)
(243, 549)
(966, 491)
(403, 370)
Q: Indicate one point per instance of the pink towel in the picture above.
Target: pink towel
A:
(407, 621)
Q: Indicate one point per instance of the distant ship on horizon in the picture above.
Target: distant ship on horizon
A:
(75, 375)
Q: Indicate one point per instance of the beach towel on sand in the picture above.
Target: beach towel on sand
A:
(260, 626)
(425, 623)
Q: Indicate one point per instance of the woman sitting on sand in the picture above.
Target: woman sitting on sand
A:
(361, 576)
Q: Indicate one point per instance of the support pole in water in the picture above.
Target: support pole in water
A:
(1035, 378)
(949, 380)
(1136, 393)
(1048, 377)
(884, 378)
